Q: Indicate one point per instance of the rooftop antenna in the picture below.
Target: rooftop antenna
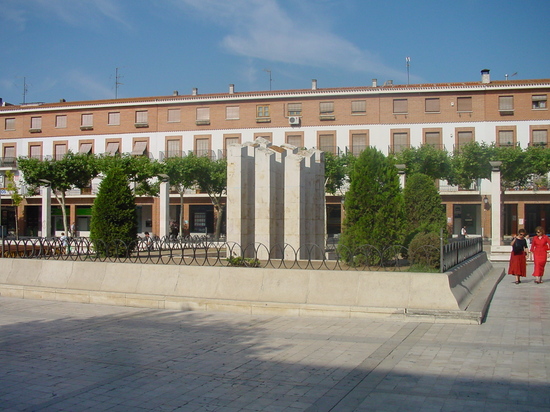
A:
(408, 61)
(117, 83)
(270, 79)
(25, 90)
(512, 75)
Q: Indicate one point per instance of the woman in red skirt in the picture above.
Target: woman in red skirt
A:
(518, 258)
(539, 248)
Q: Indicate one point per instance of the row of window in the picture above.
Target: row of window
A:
(326, 141)
(263, 112)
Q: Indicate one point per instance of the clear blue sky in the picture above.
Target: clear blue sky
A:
(71, 48)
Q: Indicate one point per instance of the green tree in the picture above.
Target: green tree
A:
(182, 172)
(515, 170)
(426, 159)
(373, 204)
(16, 197)
(211, 177)
(470, 163)
(336, 171)
(114, 216)
(422, 206)
(139, 170)
(73, 170)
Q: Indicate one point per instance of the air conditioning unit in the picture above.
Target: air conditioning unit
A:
(293, 120)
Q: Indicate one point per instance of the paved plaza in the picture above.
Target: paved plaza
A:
(57, 356)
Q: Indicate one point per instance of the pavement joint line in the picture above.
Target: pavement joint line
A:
(346, 386)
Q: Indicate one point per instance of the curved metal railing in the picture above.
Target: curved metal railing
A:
(200, 251)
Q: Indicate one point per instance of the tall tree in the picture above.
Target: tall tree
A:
(114, 216)
(73, 170)
(211, 177)
(423, 206)
(374, 203)
(182, 172)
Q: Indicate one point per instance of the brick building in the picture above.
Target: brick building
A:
(387, 116)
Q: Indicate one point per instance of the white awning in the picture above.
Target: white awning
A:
(139, 148)
(85, 148)
(112, 148)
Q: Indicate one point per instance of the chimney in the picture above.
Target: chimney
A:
(195, 91)
(231, 89)
(485, 78)
(313, 84)
(62, 100)
(374, 82)
(175, 93)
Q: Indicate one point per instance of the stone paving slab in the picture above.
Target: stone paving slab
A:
(57, 356)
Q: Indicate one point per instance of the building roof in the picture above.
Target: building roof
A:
(284, 94)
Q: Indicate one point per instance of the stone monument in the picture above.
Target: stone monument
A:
(276, 200)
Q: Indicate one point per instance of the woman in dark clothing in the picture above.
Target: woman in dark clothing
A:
(518, 258)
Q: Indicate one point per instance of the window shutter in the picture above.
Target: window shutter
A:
(174, 115)
(400, 106)
(87, 120)
(203, 113)
(232, 112)
(506, 103)
(540, 137)
(114, 118)
(464, 104)
(432, 105)
(433, 138)
(359, 106)
(326, 107)
(294, 140)
(142, 116)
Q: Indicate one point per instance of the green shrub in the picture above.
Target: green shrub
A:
(424, 250)
(243, 262)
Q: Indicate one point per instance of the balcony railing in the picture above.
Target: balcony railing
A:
(10, 162)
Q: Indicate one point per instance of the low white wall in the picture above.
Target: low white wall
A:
(252, 290)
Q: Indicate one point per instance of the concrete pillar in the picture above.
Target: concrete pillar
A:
(496, 204)
(164, 217)
(401, 173)
(46, 193)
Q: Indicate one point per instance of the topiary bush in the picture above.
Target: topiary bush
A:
(424, 251)
(113, 229)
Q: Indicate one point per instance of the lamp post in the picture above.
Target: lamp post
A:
(2, 184)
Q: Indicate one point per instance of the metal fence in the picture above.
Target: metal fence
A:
(200, 251)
